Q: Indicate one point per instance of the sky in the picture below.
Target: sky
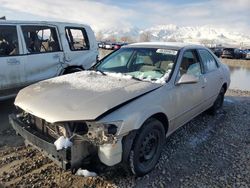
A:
(233, 15)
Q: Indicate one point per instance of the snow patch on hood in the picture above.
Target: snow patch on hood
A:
(80, 96)
(91, 80)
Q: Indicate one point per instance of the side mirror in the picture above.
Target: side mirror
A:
(187, 79)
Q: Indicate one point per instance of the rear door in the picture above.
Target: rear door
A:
(11, 60)
(213, 76)
(79, 44)
(44, 52)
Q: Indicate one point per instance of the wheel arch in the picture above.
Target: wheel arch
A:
(128, 140)
(72, 67)
(224, 86)
(163, 119)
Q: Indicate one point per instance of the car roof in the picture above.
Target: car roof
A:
(172, 45)
(3, 22)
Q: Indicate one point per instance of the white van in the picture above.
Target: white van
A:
(34, 51)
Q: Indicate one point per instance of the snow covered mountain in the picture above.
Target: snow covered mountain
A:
(200, 34)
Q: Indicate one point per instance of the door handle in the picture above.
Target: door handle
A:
(13, 61)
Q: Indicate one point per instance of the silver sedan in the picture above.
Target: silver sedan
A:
(123, 109)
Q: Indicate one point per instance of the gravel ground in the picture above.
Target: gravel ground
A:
(209, 151)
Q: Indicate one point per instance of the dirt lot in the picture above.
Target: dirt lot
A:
(209, 151)
(237, 62)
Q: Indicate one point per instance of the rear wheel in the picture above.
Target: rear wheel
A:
(147, 147)
(218, 102)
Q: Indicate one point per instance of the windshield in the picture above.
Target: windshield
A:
(142, 63)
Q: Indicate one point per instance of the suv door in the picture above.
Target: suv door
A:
(11, 61)
(213, 76)
(188, 98)
(44, 53)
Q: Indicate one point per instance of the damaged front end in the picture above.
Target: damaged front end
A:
(89, 140)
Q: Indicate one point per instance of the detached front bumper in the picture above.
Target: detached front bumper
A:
(69, 158)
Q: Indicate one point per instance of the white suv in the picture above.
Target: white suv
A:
(34, 51)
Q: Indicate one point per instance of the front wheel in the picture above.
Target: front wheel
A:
(147, 147)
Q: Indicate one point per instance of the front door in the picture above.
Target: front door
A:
(187, 98)
(44, 54)
(11, 61)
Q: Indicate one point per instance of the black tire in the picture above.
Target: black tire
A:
(147, 146)
(72, 70)
(218, 103)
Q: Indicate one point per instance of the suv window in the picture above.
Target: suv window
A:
(8, 41)
(77, 39)
(40, 39)
(190, 64)
(208, 60)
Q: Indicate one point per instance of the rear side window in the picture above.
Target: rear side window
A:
(208, 60)
(8, 41)
(40, 39)
(77, 39)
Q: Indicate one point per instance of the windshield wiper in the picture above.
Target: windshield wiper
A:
(101, 72)
(135, 78)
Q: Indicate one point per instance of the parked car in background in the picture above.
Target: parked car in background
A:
(123, 110)
(247, 54)
(34, 51)
(242, 54)
(100, 44)
(119, 45)
(109, 46)
(217, 51)
(232, 53)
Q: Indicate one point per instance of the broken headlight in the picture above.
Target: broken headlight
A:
(103, 132)
(95, 132)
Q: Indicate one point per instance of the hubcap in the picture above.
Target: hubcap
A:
(149, 147)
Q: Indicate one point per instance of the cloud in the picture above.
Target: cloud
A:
(98, 15)
(105, 14)
(227, 14)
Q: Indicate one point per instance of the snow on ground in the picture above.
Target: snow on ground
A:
(85, 173)
(62, 142)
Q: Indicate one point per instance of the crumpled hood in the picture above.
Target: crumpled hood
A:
(84, 95)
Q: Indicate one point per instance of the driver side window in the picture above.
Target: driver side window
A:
(190, 64)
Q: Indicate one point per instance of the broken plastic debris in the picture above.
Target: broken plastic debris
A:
(62, 142)
(85, 173)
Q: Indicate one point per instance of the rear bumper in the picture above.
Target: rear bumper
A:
(63, 158)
